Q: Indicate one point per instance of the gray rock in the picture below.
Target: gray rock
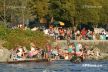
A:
(4, 55)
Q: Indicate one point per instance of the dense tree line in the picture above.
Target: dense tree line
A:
(72, 11)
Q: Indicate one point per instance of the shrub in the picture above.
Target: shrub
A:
(3, 32)
(15, 37)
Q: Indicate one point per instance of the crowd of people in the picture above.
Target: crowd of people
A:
(21, 52)
(61, 33)
(57, 52)
(50, 52)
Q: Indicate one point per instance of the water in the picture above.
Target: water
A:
(56, 66)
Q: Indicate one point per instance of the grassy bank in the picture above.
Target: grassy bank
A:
(15, 37)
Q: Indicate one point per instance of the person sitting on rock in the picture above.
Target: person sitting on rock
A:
(78, 49)
(90, 52)
(70, 51)
(20, 53)
(33, 52)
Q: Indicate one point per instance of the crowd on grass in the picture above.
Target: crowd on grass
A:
(71, 33)
(60, 33)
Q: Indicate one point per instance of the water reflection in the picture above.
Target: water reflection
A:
(55, 66)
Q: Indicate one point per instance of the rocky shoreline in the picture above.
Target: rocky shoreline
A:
(98, 50)
(103, 56)
(5, 55)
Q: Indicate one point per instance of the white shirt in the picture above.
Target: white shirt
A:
(32, 49)
(46, 31)
(20, 49)
(80, 46)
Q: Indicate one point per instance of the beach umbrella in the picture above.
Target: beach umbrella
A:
(56, 23)
(61, 23)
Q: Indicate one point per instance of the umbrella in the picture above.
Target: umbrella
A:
(59, 23)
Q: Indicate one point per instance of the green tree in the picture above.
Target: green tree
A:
(38, 8)
(73, 11)
(14, 11)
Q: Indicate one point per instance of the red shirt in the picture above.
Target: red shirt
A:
(83, 32)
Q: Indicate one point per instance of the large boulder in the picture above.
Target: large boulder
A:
(4, 55)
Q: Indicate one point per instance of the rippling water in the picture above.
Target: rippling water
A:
(56, 66)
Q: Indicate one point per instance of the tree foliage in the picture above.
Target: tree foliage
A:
(83, 10)
(38, 7)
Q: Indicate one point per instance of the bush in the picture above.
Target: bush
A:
(3, 32)
(15, 37)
